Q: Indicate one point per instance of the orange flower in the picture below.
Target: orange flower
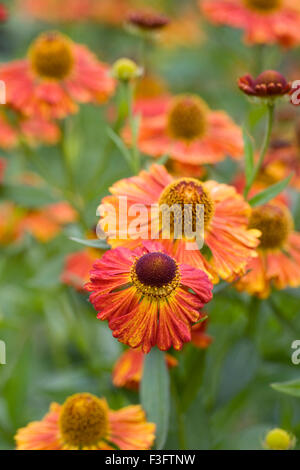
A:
(77, 268)
(10, 217)
(148, 297)
(47, 222)
(85, 422)
(283, 159)
(278, 262)
(128, 369)
(263, 21)
(229, 244)
(37, 130)
(185, 128)
(55, 76)
(200, 338)
(8, 136)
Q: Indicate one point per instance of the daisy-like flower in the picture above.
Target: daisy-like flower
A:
(184, 128)
(263, 21)
(128, 370)
(228, 243)
(278, 261)
(147, 21)
(283, 159)
(47, 222)
(85, 422)
(77, 267)
(148, 297)
(56, 75)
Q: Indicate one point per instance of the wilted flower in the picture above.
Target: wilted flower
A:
(147, 296)
(85, 422)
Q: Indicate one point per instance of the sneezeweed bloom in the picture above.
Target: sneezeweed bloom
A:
(268, 86)
(77, 267)
(200, 338)
(147, 296)
(85, 422)
(228, 242)
(279, 439)
(263, 21)
(282, 160)
(278, 261)
(128, 370)
(46, 223)
(56, 75)
(184, 128)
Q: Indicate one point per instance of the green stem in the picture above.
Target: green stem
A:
(265, 147)
(179, 415)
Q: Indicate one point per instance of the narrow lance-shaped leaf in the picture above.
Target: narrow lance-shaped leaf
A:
(291, 387)
(101, 244)
(272, 191)
(155, 394)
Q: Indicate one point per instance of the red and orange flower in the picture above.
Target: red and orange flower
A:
(56, 75)
(228, 243)
(278, 262)
(128, 370)
(148, 298)
(263, 21)
(85, 422)
(184, 128)
(77, 267)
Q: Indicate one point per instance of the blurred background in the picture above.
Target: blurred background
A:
(55, 345)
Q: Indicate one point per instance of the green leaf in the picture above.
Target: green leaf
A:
(120, 145)
(291, 387)
(249, 155)
(101, 244)
(155, 394)
(28, 196)
(270, 193)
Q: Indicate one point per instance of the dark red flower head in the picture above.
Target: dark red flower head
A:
(147, 21)
(268, 84)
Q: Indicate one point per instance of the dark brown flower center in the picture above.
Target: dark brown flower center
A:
(83, 420)
(51, 56)
(274, 223)
(155, 274)
(263, 6)
(187, 118)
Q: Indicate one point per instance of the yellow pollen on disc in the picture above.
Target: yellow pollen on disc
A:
(83, 420)
(184, 193)
(187, 118)
(263, 6)
(155, 275)
(51, 56)
(275, 224)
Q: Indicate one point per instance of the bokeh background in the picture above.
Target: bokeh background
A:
(55, 345)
